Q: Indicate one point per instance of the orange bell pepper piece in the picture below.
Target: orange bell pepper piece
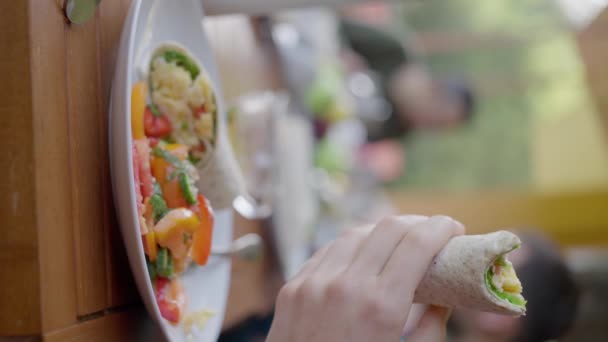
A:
(159, 168)
(173, 195)
(162, 169)
(201, 244)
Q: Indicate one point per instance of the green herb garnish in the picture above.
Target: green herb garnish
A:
(186, 186)
(166, 155)
(154, 109)
(182, 61)
(159, 207)
(151, 269)
(164, 263)
(194, 160)
(167, 140)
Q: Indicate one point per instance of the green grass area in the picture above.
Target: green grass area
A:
(536, 75)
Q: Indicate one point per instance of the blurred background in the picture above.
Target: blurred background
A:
(492, 112)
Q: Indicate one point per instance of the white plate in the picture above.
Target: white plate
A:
(149, 23)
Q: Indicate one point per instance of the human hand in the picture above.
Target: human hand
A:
(361, 286)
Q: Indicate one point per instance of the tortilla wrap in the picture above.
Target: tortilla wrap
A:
(221, 179)
(457, 276)
(173, 46)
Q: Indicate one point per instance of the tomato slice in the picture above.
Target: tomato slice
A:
(170, 298)
(200, 148)
(201, 241)
(153, 141)
(198, 112)
(139, 199)
(138, 196)
(156, 126)
(142, 158)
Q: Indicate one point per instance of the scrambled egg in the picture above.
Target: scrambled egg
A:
(196, 320)
(505, 279)
(179, 97)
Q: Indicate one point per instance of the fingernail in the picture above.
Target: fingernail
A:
(447, 313)
(442, 312)
(413, 219)
(443, 220)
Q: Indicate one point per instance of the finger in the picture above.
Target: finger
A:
(334, 250)
(342, 251)
(311, 264)
(310, 267)
(285, 307)
(378, 247)
(414, 317)
(412, 257)
(432, 326)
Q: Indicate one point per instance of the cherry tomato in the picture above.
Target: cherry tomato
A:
(153, 142)
(199, 148)
(198, 112)
(170, 298)
(156, 126)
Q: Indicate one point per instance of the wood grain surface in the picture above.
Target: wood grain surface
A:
(126, 326)
(51, 145)
(66, 275)
(86, 166)
(19, 297)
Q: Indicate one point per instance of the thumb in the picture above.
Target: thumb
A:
(432, 326)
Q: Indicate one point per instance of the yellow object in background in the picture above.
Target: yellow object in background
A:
(138, 105)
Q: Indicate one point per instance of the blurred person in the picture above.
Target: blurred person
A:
(416, 99)
(549, 288)
(413, 99)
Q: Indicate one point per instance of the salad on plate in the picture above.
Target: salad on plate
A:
(173, 127)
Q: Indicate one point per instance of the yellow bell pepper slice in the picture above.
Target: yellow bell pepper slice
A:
(178, 150)
(138, 106)
(151, 247)
(174, 231)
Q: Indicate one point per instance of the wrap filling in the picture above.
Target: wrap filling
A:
(503, 282)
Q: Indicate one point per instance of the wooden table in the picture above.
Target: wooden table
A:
(65, 273)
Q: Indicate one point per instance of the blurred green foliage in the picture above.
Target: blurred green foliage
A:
(523, 66)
